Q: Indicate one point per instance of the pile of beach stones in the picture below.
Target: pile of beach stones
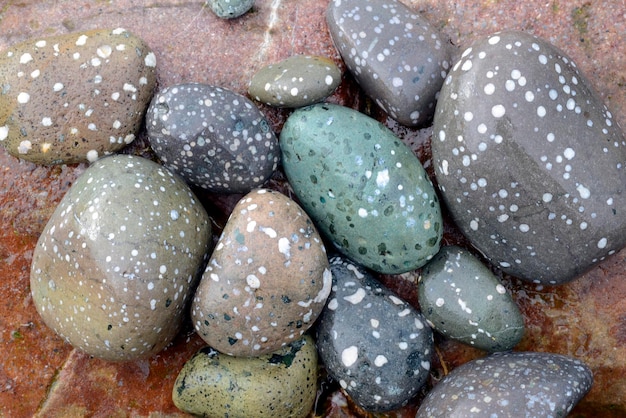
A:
(527, 160)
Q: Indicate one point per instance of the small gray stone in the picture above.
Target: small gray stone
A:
(230, 9)
(511, 385)
(297, 81)
(395, 55)
(463, 300)
(214, 138)
(375, 344)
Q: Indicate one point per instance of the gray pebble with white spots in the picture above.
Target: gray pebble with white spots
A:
(297, 81)
(267, 280)
(278, 384)
(76, 97)
(462, 299)
(510, 385)
(367, 191)
(114, 268)
(230, 9)
(214, 138)
(398, 58)
(529, 160)
(377, 346)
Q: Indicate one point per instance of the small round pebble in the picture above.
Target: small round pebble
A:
(115, 266)
(462, 299)
(278, 384)
(372, 342)
(76, 97)
(214, 138)
(297, 81)
(230, 9)
(367, 191)
(517, 384)
(529, 160)
(267, 280)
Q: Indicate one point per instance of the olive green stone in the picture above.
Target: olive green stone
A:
(365, 189)
(297, 81)
(279, 384)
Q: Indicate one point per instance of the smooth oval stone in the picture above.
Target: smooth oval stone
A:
(398, 58)
(375, 344)
(510, 385)
(462, 299)
(116, 263)
(363, 186)
(214, 138)
(529, 160)
(297, 81)
(76, 97)
(279, 384)
(230, 9)
(267, 280)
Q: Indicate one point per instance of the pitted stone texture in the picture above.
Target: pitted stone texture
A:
(529, 160)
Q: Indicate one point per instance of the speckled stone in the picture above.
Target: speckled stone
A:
(363, 186)
(398, 58)
(297, 81)
(76, 97)
(267, 280)
(230, 9)
(278, 384)
(513, 384)
(214, 138)
(529, 160)
(375, 344)
(115, 265)
(462, 299)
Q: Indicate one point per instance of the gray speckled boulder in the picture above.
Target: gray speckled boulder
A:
(462, 299)
(510, 385)
(229, 9)
(375, 344)
(278, 384)
(396, 56)
(528, 159)
(214, 138)
(115, 266)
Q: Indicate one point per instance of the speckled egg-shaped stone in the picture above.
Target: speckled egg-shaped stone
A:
(267, 280)
(214, 138)
(229, 9)
(528, 159)
(398, 58)
(462, 299)
(377, 346)
(114, 268)
(76, 97)
(278, 384)
(514, 384)
(297, 81)
(366, 190)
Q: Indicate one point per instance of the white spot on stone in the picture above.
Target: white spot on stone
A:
(380, 360)
(349, 356)
(4, 132)
(82, 40)
(498, 111)
(602, 243)
(23, 98)
(253, 281)
(284, 247)
(356, 297)
(583, 191)
(382, 178)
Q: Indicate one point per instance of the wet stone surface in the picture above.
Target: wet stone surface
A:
(297, 81)
(530, 162)
(462, 299)
(510, 385)
(76, 97)
(267, 280)
(398, 58)
(230, 9)
(278, 384)
(115, 265)
(367, 191)
(375, 344)
(214, 138)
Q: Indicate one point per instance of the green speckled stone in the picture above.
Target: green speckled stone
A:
(462, 299)
(279, 384)
(297, 81)
(229, 9)
(365, 189)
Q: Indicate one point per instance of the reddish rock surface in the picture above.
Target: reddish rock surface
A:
(41, 375)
